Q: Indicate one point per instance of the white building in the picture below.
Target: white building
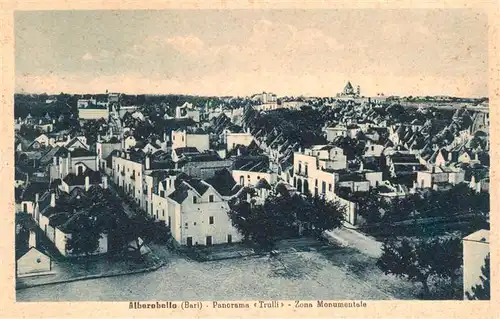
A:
(233, 139)
(128, 142)
(183, 138)
(336, 131)
(33, 262)
(127, 174)
(187, 110)
(476, 247)
(199, 215)
(251, 174)
(439, 175)
(76, 161)
(104, 149)
(265, 97)
(89, 111)
(373, 149)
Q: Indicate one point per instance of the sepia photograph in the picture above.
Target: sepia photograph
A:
(326, 156)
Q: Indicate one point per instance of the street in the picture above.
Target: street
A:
(323, 272)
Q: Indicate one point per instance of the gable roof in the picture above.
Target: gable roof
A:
(72, 179)
(81, 152)
(180, 193)
(262, 184)
(222, 181)
(186, 150)
(74, 141)
(32, 189)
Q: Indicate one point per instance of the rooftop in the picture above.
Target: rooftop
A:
(482, 236)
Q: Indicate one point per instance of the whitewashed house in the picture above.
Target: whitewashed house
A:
(183, 138)
(33, 262)
(476, 247)
(199, 215)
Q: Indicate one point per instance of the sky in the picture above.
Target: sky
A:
(242, 52)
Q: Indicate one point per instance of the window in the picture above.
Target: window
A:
(38, 260)
(211, 198)
(373, 147)
(316, 183)
(163, 213)
(162, 193)
(306, 170)
(330, 187)
(300, 167)
(323, 187)
(242, 180)
(211, 220)
(194, 224)
(25, 207)
(194, 199)
(258, 177)
(186, 225)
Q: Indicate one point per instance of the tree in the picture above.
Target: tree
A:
(406, 260)
(254, 224)
(447, 257)
(84, 239)
(320, 214)
(482, 291)
(418, 261)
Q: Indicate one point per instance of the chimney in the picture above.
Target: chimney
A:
(69, 166)
(239, 151)
(99, 138)
(54, 160)
(105, 182)
(32, 239)
(53, 200)
(68, 139)
(249, 198)
(128, 155)
(147, 162)
(433, 170)
(37, 197)
(87, 183)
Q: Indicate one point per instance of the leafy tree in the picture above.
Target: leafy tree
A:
(482, 291)
(84, 239)
(255, 224)
(406, 260)
(320, 214)
(418, 261)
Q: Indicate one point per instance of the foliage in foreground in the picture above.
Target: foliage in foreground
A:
(418, 261)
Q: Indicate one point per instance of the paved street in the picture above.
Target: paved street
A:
(354, 239)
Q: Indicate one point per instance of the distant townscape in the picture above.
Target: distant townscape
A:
(347, 196)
